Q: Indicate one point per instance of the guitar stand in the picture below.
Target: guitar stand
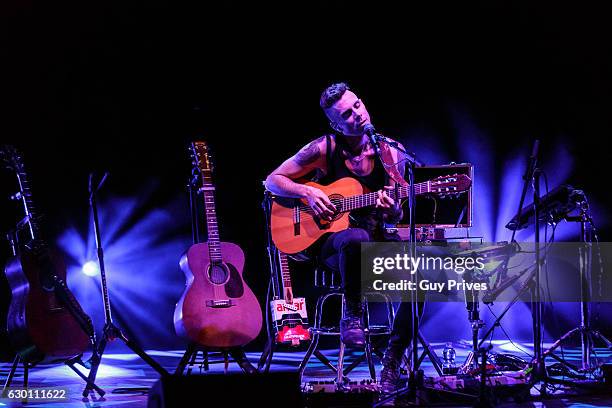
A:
(70, 363)
(9, 379)
(189, 359)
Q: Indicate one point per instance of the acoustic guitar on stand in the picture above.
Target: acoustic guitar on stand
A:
(217, 309)
(295, 227)
(45, 322)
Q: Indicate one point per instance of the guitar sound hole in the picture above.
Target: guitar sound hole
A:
(336, 200)
(218, 274)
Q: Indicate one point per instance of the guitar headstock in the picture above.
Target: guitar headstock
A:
(200, 153)
(450, 185)
(11, 158)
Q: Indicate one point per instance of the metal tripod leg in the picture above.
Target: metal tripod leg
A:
(368, 357)
(9, 379)
(266, 357)
(601, 337)
(192, 360)
(311, 349)
(429, 352)
(70, 363)
(180, 368)
(587, 337)
(95, 364)
(26, 374)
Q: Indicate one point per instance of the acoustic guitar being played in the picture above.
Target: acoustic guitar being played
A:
(295, 227)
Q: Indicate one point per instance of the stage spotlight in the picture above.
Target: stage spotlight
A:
(91, 268)
(142, 245)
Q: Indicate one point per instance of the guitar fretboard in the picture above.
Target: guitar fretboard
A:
(369, 199)
(214, 244)
(285, 272)
(28, 205)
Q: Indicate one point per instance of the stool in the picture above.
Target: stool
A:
(329, 280)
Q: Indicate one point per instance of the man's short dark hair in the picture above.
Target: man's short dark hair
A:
(332, 94)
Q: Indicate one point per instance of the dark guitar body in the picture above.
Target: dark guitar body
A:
(216, 315)
(40, 327)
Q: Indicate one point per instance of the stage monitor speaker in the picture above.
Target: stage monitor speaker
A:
(232, 390)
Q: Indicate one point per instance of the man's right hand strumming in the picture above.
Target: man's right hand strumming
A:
(320, 203)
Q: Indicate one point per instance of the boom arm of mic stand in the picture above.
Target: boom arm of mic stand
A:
(412, 157)
(528, 176)
(93, 191)
(524, 287)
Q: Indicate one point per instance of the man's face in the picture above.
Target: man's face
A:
(348, 115)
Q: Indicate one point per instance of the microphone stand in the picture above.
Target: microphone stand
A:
(110, 331)
(416, 375)
(415, 378)
(532, 175)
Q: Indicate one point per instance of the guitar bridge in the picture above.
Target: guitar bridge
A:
(220, 304)
(296, 220)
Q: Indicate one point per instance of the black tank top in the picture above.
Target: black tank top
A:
(368, 218)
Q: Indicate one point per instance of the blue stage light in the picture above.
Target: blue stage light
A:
(91, 268)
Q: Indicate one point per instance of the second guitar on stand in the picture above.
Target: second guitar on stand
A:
(217, 309)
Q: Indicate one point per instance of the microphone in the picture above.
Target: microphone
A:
(371, 132)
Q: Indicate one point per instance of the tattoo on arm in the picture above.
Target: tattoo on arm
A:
(308, 154)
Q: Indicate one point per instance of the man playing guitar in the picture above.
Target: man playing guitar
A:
(346, 153)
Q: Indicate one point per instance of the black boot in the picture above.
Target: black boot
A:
(351, 326)
(390, 375)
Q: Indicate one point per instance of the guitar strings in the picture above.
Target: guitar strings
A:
(366, 197)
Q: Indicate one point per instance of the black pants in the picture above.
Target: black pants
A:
(341, 252)
(401, 334)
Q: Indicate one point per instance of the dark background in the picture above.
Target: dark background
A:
(124, 87)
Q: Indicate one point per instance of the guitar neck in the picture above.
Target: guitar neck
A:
(284, 265)
(369, 199)
(214, 245)
(28, 206)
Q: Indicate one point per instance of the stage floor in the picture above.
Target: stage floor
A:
(125, 377)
